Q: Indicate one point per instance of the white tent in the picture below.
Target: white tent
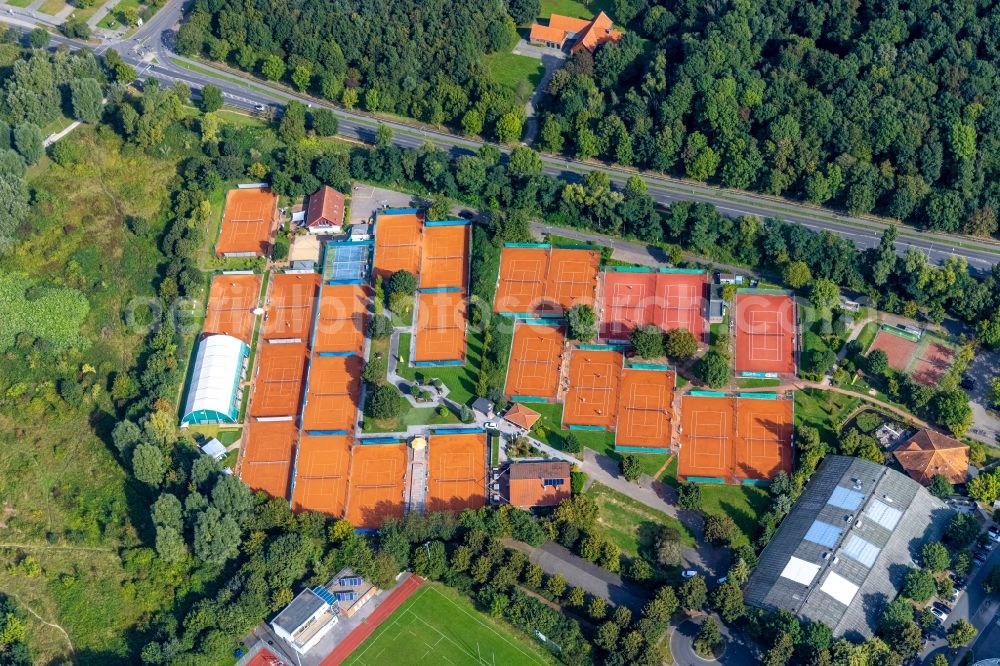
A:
(215, 383)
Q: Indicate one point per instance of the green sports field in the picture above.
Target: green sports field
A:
(437, 626)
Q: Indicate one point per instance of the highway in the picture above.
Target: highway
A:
(148, 50)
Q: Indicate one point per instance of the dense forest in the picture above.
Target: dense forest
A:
(870, 105)
(415, 58)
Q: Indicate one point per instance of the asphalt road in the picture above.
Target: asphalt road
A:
(147, 50)
(682, 646)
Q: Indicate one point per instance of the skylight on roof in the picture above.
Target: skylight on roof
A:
(845, 498)
(824, 534)
(800, 571)
(839, 588)
(860, 550)
(883, 514)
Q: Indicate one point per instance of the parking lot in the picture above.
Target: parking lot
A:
(366, 200)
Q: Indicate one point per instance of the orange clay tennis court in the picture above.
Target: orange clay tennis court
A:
(444, 256)
(592, 397)
(322, 470)
(763, 438)
(342, 318)
(535, 360)
(541, 279)
(765, 333)
(231, 302)
(334, 391)
(707, 429)
(456, 472)
(290, 306)
(278, 386)
(645, 409)
(522, 279)
(397, 243)
(571, 278)
(933, 364)
(667, 300)
(267, 456)
(440, 327)
(248, 222)
(378, 481)
(898, 350)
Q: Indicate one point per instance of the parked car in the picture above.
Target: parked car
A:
(689, 573)
(490, 425)
(958, 581)
(994, 534)
(940, 614)
(968, 383)
(978, 558)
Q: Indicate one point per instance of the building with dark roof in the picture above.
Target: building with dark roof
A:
(842, 552)
(928, 453)
(532, 484)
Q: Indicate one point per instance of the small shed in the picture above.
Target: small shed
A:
(483, 406)
(361, 232)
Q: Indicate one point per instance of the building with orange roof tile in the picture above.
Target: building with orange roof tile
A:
(928, 453)
(325, 213)
(580, 33)
(534, 484)
(521, 416)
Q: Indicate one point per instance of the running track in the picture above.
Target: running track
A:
(372, 622)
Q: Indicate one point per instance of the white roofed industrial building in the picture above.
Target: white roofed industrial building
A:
(842, 552)
(215, 391)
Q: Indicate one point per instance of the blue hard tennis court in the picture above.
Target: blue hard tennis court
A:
(346, 261)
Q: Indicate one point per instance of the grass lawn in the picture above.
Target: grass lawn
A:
(823, 410)
(756, 382)
(118, 14)
(460, 379)
(519, 73)
(630, 524)
(744, 504)
(52, 7)
(576, 8)
(404, 316)
(436, 626)
(409, 416)
(19, 3)
(85, 13)
(494, 450)
(867, 335)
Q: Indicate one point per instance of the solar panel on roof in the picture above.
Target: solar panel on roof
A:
(553, 482)
(883, 514)
(824, 534)
(845, 498)
(860, 550)
(350, 581)
(346, 596)
(325, 595)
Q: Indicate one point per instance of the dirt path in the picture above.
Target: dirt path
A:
(28, 608)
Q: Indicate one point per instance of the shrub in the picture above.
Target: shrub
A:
(385, 402)
(647, 341)
(689, 496)
(630, 467)
(380, 327)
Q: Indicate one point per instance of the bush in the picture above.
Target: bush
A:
(720, 529)
(941, 487)
(714, 369)
(582, 322)
(962, 530)
(324, 122)
(918, 585)
(934, 556)
(647, 341)
(76, 28)
(385, 402)
(281, 246)
(680, 344)
(572, 443)
(689, 496)
(867, 422)
(402, 283)
(380, 327)
(630, 467)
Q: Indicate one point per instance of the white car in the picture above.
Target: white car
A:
(939, 613)
(994, 535)
(689, 573)
(491, 425)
